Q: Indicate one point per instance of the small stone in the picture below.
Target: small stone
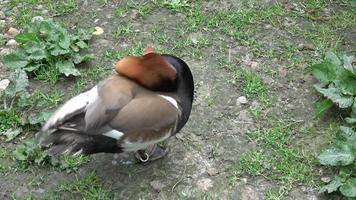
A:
(2, 15)
(212, 171)
(134, 14)
(157, 186)
(96, 20)
(114, 162)
(241, 100)
(37, 19)
(3, 84)
(13, 31)
(302, 47)
(44, 12)
(253, 64)
(205, 184)
(11, 43)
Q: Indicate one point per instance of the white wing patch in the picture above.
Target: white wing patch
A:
(114, 134)
(170, 100)
(72, 106)
(135, 146)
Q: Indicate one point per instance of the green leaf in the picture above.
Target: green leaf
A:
(332, 58)
(335, 95)
(18, 82)
(59, 51)
(64, 40)
(350, 120)
(32, 67)
(85, 34)
(337, 156)
(82, 45)
(325, 72)
(78, 58)
(15, 60)
(23, 38)
(350, 135)
(346, 81)
(348, 64)
(349, 188)
(12, 134)
(38, 55)
(67, 68)
(322, 106)
(332, 186)
(38, 118)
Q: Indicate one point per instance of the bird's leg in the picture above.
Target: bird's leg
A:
(151, 153)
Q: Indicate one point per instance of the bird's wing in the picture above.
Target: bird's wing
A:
(113, 95)
(147, 112)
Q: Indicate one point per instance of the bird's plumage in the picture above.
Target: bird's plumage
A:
(148, 101)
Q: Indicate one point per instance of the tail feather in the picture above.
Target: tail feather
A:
(73, 142)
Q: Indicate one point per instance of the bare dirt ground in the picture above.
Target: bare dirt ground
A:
(220, 40)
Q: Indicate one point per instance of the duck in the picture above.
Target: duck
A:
(146, 102)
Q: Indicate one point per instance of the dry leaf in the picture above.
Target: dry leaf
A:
(282, 72)
(98, 31)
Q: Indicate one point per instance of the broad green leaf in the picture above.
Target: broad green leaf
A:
(78, 58)
(346, 81)
(59, 51)
(18, 82)
(12, 134)
(350, 135)
(15, 60)
(23, 38)
(45, 27)
(38, 55)
(350, 120)
(38, 118)
(64, 40)
(322, 106)
(85, 34)
(335, 95)
(75, 48)
(32, 67)
(349, 188)
(348, 64)
(332, 186)
(325, 72)
(20, 154)
(332, 58)
(82, 45)
(67, 68)
(337, 156)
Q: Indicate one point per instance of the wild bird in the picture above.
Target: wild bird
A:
(147, 101)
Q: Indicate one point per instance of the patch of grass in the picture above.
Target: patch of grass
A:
(273, 194)
(26, 10)
(124, 31)
(88, 187)
(252, 85)
(121, 11)
(276, 159)
(9, 119)
(176, 5)
(30, 154)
